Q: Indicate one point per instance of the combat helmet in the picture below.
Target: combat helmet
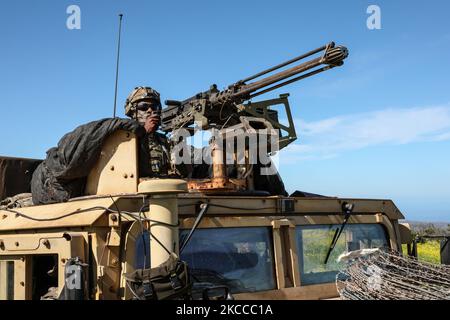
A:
(140, 94)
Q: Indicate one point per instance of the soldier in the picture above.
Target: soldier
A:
(144, 106)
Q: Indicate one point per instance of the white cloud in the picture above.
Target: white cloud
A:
(329, 137)
(442, 137)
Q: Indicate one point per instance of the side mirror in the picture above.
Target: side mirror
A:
(407, 238)
(405, 233)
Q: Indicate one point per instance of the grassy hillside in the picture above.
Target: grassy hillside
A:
(428, 251)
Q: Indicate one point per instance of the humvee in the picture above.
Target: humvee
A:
(260, 247)
(254, 244)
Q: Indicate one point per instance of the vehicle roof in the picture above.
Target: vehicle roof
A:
(88, 211)
(66, 214)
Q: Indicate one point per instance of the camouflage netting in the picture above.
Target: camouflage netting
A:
(381, 275)
(20, 200)
(62, 175)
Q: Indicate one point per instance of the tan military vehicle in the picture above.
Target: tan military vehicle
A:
(249, 243)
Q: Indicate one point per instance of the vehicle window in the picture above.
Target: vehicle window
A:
(313, 243)
(240, 258)
(44, 275)
(6, 280)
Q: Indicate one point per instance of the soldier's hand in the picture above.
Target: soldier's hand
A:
(152, 124)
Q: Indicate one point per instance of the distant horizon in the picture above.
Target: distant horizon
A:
(432, 222)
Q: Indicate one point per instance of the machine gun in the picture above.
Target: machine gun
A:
(225, 108)
(227, 111)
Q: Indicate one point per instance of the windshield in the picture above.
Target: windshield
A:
(240, 258)
(313, 243)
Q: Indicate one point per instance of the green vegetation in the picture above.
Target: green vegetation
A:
(429, 229)
(428, 251)
(315, 242)
(315, 246)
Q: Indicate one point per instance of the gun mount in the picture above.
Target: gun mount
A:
(227, 111)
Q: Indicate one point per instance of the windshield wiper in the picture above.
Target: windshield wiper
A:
(204, 207)
(347, 208)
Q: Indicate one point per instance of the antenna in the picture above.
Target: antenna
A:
(117, 64)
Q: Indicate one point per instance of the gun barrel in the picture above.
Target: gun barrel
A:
(279, 85)
(281, 65)
(332, 57)
(181, 113)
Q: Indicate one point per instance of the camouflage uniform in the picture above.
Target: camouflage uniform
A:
(154, 157)
(159, 154)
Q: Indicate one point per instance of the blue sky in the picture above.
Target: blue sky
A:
(379, 127)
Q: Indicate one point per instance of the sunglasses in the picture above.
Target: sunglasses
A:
(144, 106)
